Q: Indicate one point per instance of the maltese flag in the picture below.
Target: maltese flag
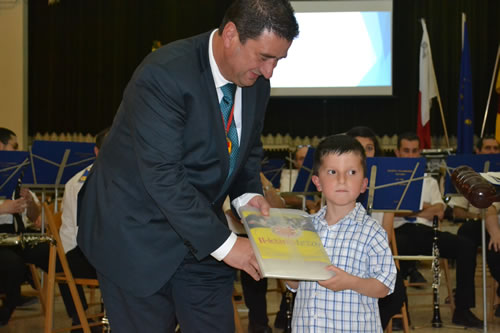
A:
(427, 90)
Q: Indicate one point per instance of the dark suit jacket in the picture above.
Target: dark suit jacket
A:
(157, 187)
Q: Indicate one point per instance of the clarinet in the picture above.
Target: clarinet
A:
(436, 276)
(18, 219)
(289, 310)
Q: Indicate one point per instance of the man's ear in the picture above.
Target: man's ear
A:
(364, 185)
(315, 180)
(396, 152)
(230, 34)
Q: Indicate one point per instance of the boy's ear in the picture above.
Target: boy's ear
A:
(364, 185)
(315, 180)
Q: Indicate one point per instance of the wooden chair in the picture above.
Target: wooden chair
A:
(403, 315)
(57, 251)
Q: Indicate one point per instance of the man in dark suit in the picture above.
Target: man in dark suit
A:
(150, 217)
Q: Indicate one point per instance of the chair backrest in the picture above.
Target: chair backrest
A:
(54, 221)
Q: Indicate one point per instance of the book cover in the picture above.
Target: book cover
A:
(286, 244)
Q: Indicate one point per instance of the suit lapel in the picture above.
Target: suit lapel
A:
(216, 115)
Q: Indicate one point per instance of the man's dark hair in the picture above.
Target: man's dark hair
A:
(338, 144)
(99, 138)
(410, 136)
(252, 17)
(366, 132)
(5, 135)
(479, 144)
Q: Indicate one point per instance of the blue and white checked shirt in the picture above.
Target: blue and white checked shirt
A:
(358, 245)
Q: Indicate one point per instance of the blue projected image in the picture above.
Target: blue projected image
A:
(346, 52)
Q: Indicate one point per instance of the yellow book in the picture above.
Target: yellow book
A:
(286, 244)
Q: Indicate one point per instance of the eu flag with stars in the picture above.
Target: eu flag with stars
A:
(465, 130)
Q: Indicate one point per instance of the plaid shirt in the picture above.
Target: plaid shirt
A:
(358, 245)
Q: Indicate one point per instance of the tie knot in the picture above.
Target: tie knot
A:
(228, 91)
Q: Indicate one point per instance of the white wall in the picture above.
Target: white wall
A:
(14, 68)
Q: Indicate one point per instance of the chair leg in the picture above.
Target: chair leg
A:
(446, 270)
(406, 324)
(50, 283)
(237, 321)
(38, 286)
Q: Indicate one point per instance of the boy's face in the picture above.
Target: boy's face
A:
(341, 178)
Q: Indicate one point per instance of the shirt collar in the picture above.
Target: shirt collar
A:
(217, 75)
(356, 215)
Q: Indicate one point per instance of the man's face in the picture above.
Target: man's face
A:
(408, 149)
(256, 57)
(11, 144)
(300, 155)
(490, 146)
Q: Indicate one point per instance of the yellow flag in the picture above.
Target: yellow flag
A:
(497, 86)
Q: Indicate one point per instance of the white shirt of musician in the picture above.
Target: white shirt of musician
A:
(69, 228)
(9, 219)
(431, 195)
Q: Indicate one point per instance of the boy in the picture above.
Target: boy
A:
(356, 244)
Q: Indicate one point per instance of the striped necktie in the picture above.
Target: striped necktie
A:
(226, 106)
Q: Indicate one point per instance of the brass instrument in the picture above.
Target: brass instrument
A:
(436, 276)
(24, 240)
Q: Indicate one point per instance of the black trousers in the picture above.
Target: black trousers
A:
(391, 304)
(414, 238)
(254, 293)
(198, 294)
(472, 231)
(13, 269)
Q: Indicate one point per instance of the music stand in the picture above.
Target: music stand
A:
(480, 163)
(12, 163)
(55, 162)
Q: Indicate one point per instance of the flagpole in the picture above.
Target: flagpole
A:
(489, 93)
(442, 114)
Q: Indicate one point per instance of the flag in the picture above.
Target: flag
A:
(497, 128)
(465, 128)
(427, 90)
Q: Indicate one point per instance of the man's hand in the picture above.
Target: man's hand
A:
(260, 203)
(13, 206)
(242, 257)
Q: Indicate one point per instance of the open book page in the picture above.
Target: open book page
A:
(286, 244)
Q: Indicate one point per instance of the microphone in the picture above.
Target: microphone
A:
(476, 189)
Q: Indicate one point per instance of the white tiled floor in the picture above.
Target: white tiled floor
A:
(30, 320)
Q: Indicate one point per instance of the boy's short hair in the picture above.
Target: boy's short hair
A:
(338, 144)
(410, 136)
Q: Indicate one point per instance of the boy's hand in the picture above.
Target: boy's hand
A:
(341, 281)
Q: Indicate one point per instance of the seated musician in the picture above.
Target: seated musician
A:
(414, 235)
(288, 179)
(14, 216)
(78, 263)
(471, 228)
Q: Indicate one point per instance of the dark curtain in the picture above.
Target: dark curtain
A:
(83, 52)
